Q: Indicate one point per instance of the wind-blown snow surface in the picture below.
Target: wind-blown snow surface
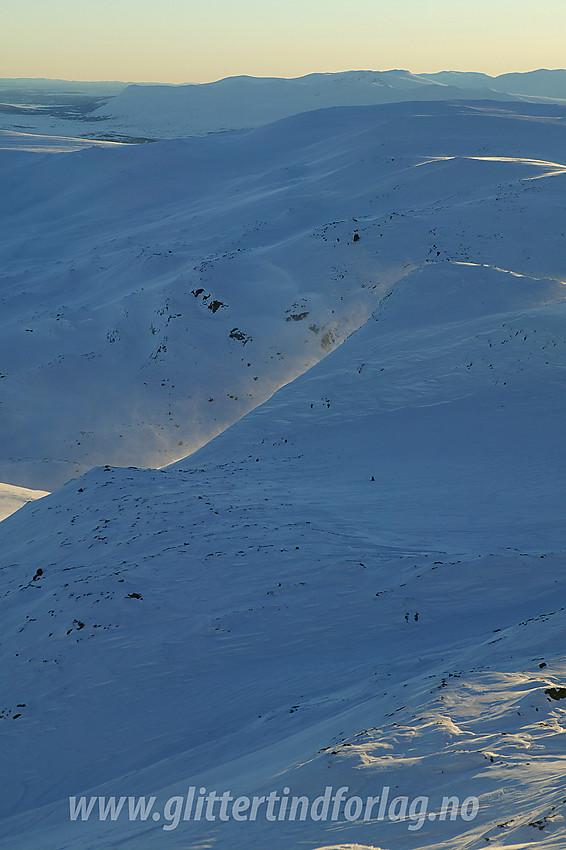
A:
(359, 583)
(154, 294)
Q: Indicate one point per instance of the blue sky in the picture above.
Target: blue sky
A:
(190, 41)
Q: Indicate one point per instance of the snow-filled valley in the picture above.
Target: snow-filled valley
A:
(341, 338)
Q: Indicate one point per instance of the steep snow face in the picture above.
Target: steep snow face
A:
(154, 294)
(353, 586)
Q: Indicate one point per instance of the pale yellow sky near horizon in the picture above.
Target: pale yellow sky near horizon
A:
(180, 41)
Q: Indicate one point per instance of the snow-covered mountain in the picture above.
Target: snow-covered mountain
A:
(542, 84)
(154, 294)
(243, 102)
(136, 112)
(356, 584)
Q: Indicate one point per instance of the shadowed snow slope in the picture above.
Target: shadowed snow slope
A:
(154, 294)
(355, 585)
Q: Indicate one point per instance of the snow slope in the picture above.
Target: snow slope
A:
(154, 294)
(13, 498)
(358, 585)
(359, 582)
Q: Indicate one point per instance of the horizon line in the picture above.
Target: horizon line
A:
(272, 77)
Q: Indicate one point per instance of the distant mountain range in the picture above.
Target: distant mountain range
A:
(242, 102)
(538, 84)
(118, 111)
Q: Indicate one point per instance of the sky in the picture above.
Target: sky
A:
(180, 41)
